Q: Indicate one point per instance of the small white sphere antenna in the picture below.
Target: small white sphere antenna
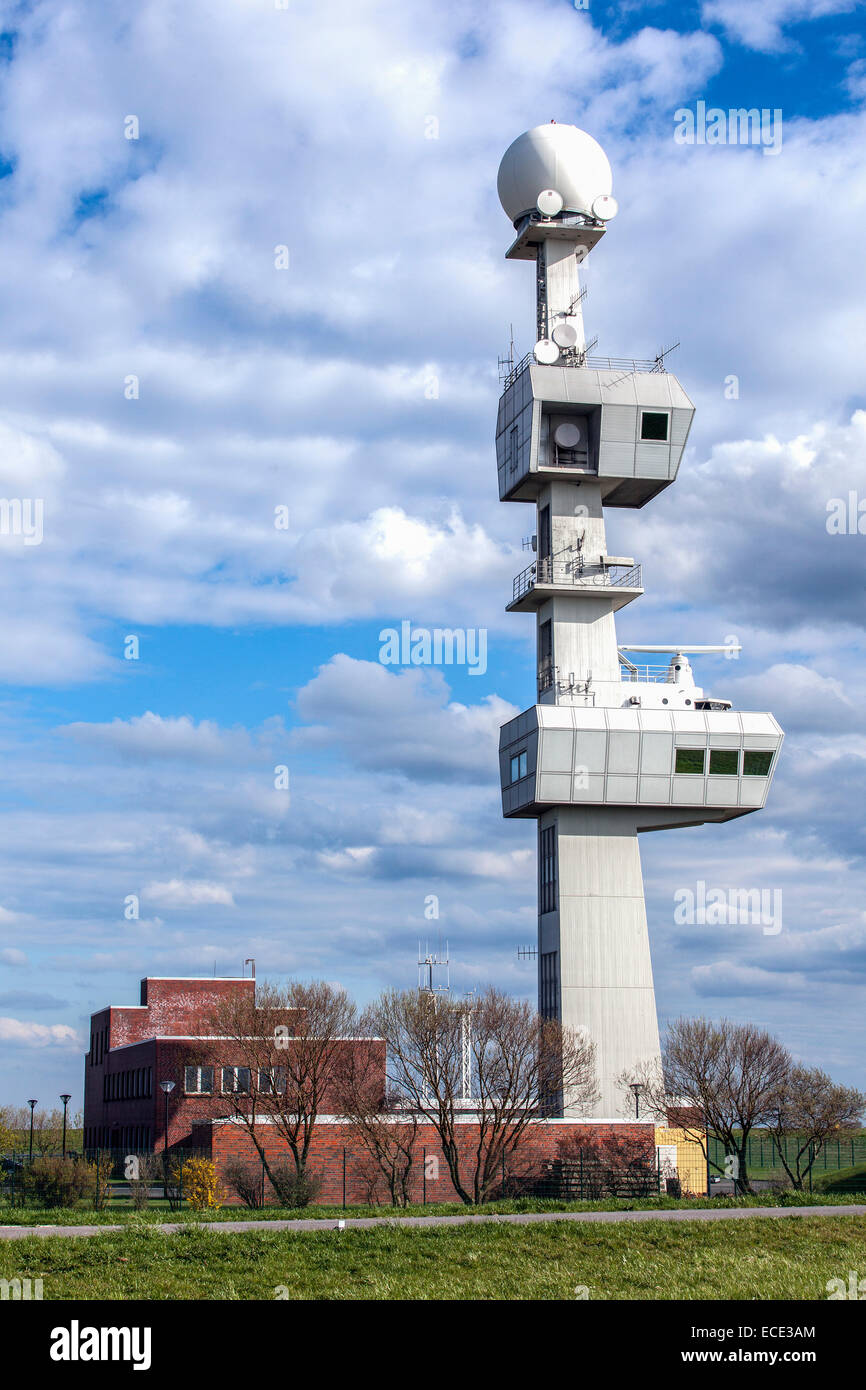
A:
(553, 158)
(546, 352)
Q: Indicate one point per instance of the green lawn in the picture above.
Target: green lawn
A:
(759, 1259)
(158, 1211)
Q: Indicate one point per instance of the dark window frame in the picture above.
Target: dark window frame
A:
(647, 415)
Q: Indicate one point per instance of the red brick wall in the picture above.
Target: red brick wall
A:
(232, 1142)
(167, 1057)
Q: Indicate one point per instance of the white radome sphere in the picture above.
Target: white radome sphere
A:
(559, 157)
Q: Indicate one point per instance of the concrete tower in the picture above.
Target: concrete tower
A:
(611, 748)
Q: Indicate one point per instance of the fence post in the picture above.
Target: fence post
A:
(424, 1176)
(503, 1172)
(580, 1172)
(344, 1177)
(263, 1180)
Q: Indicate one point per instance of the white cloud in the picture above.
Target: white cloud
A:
(190, 893)
(762, 25)
(16, 1031)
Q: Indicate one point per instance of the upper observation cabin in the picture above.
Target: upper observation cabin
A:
(624, 423)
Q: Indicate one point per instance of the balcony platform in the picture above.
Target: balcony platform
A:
(546, 579)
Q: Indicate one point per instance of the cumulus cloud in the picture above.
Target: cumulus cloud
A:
(402, 721)
(24, 1034)
(189, 893)
(763, 26)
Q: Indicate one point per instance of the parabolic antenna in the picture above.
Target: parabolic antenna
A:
(605, 207)
(564, 335)
(567, 435)
(549, 202)
(553, 157)
(546, 352)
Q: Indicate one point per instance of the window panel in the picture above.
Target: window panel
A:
(690, 760)
(756, 763)
(725, 762)
(654, 425)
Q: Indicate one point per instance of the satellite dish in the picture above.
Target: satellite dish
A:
(549, 202)
(564, 335)
(546, 352)
(567, 435)
(605, 207)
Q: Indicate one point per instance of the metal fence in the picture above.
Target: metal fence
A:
(112, 1170)
(763, 1155)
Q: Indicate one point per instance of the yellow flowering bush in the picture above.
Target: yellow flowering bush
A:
(200, 1186)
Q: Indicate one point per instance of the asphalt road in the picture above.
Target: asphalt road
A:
(366, 1223)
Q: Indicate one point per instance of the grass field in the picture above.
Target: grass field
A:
(747, 1259)
(158, 1211)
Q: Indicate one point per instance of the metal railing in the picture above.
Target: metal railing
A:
(646, 675)
(570, 574)
(602, 364)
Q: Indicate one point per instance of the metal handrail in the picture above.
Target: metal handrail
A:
(646, 675)
(597, 364)
(572, 574)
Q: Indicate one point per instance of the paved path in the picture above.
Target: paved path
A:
(366, 1223)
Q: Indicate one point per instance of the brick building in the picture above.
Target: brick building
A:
(134, 1047)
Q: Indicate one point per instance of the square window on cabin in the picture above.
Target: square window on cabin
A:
(756, 763)
(518, 766)
(654, 425)
(724, 762)
(690, 760)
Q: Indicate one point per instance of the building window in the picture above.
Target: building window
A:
(518, 765)
(690, 760)
(547, 869)
(545, 656)
(548, 985)
(725, 762)
(654, 425)
(272, 1082)
(512, 449)
(756, 763)
(236, 1080)
(198, 1081)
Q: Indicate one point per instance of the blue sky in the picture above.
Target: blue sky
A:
(358, 388)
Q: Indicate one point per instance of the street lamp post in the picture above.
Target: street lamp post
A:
(32, 1104)
(66, 1100)
(166, 1087)
(635, 1087)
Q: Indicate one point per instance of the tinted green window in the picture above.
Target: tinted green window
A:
(756, 763)
(725, 761)
(690, 760)
(653, 425)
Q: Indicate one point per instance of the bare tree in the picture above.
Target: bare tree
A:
(279, 1057)
(728, 1072)
(807, 1109)
(520, 1065)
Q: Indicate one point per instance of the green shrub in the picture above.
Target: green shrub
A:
(57, 1182)
(294, 1189)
